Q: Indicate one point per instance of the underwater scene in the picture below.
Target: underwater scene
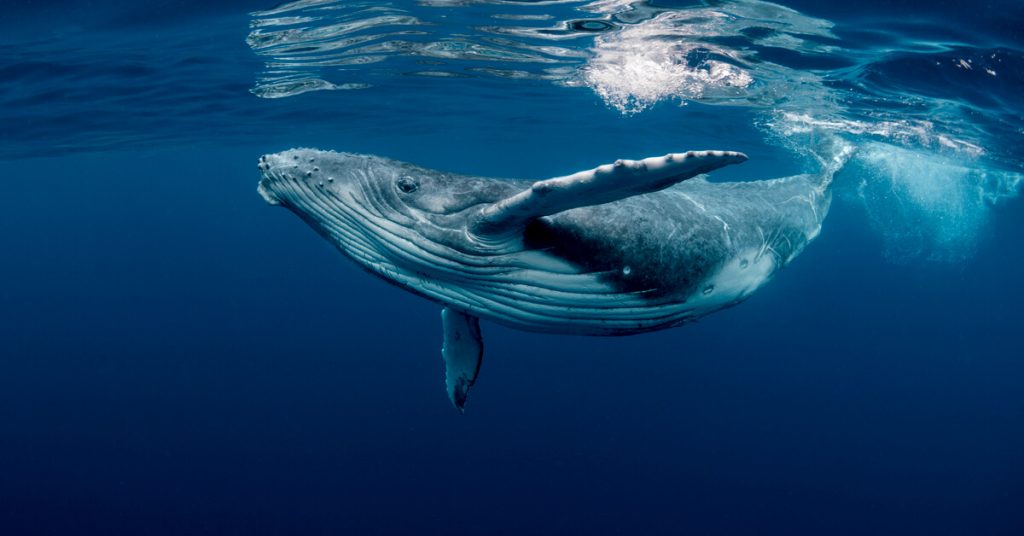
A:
(512, 267)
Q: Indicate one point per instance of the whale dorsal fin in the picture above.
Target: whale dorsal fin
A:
(603, 184)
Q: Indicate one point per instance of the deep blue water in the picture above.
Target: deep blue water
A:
(177, 357)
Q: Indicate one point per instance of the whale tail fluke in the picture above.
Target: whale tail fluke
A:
(831, 153)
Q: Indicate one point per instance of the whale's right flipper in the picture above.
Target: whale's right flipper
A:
(603, 184)
(462, 351)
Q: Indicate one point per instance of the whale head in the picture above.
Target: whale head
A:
(392, 217)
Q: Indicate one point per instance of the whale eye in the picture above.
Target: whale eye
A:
(407, 184)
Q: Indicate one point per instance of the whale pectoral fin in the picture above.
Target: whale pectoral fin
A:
(603, 184)
(462, 351)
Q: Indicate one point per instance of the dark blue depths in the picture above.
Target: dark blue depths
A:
(177, 357)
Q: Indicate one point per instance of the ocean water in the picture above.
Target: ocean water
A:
(178, 357)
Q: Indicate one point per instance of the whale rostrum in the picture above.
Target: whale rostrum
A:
(627, 247)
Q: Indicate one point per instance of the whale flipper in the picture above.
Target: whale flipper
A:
(462, 351)
(603, 184)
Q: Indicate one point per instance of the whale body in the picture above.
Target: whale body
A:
(628, 247)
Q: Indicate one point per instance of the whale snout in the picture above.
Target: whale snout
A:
(265, 188)
(287, 171)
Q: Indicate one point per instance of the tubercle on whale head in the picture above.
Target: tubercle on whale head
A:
(317, 184)
(287, 173)
(383, 204)
(353, 201)
(404, 187)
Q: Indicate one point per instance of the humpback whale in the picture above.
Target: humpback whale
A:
(627, 247)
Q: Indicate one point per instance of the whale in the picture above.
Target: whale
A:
(627, 247)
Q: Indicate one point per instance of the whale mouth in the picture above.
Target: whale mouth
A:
(269, 196)
(266, 176)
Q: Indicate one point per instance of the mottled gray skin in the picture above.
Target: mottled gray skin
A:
(672, 241)
(638, 264)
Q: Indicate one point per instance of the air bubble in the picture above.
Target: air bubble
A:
(709, 289)
(626, 270)
(744, 263)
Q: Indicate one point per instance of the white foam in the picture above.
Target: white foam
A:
(926, 205)
(636, 67)
(649, 61)
(910, 132)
